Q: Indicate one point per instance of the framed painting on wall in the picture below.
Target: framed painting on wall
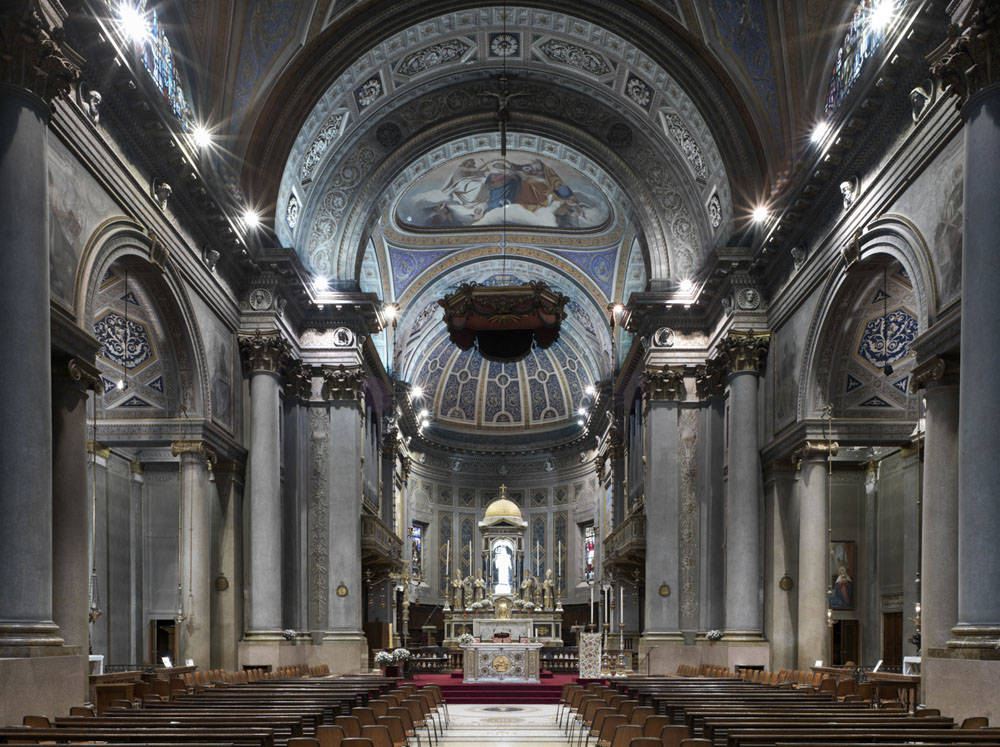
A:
(843, 572)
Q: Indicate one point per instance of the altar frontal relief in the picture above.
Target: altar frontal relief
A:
(471, 191)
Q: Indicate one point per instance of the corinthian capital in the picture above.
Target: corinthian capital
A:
(745, 351)
(967, 61)
(663, 383)
(343, 382)
(264, 352)
(33, 57)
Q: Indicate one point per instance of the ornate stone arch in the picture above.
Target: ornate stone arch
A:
(122, 240)
(889, 236)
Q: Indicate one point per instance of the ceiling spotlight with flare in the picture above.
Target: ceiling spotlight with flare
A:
(591, 390)
(416, 392)
(686, 285)
(201, 136)
(133, 22)
(819, 132)
(251, 218)
(760, 214)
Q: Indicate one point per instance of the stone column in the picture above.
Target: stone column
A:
(814, 552)
(264, 355)
(33, 70)
(664, 388)
(938, 380)
(343, 388)
(967, 64)
(195, 551)
(744, 356)
(72, 381)
(781, 591)
(227, 606)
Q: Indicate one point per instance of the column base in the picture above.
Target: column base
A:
(42, 685)
(29, 639)
(742, 636)
(345, 652)
(976, 637)
(961, 687)
(669, 650)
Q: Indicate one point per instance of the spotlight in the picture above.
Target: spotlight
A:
(591, 390)
(416, 392)
(760, 214)
(424, 423)
(390, 311)
(120, 385)
(881, 15)
(582, 412)
(618, 308)
(132, 22)
(423, 414)
(819, 132)
(686, 285)
(321, 283)
(251, 218)
(201, 136)
(580, 423)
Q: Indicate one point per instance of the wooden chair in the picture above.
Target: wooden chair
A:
(672, 736)
(379, 735)
(350, 725)
(82, 711)
(626, 707)
(365, 716)
(644, 742)
(696, 742)
(397, 733)
(418, 716)
(37, 722)
(303, 742)
(357, 742)
(564, 699)
(587, 717)
(597, 722)
(608, 727)
(624, 735)
(409, 729)
(329, 735)
(379, 707)
(926, 712)
(976, 722)
(640, 714)
(654, 726)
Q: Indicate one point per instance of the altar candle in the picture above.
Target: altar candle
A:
(447, 559)
(559, 559)
(538, 558)
(621, 608)
(591, 604)
(470, 557)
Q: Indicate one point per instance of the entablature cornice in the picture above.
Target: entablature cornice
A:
(846, 432)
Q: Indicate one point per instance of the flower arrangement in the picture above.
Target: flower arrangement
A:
(714, 635)
(519, 603)
(288, 634)
(476, 606)
(465, 639)
(383, 659)
(529, 606)
(401, 654)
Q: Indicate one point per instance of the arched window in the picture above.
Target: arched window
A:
(865, 32)
(143, 28)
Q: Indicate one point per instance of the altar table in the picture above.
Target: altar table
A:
(502, 662)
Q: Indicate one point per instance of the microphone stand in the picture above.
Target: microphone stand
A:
(648, 653)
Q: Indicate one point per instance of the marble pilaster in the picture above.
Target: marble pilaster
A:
(743, 355)
(195, 551)
(813, 582)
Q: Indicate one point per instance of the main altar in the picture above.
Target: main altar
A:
(503, 603)
(501, 662)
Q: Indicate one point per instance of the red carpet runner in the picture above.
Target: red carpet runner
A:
(455, 691)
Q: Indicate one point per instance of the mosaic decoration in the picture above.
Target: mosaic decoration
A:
(887, 339)
(466, 498)
(444, 538)
(538, 550)
(472, 192)
(369, 92)
(505, 44)
(134, 401)
(407, 264)
(715, 211)
(639, 91)
(158, 59)
(539, 498)
(743, 27)
(269, 28)
(875, 402)
(561, 495)
(459, 397)
(467, 538)
(580, 315)
(156, 384)
(516, 496)
(903, 385)
(330, 131)
(598, 265)
(292, 212)
(433, 56)
(680, 134)
(861, 41)
(123, 344)
(444, 496)
(130, 298)
(576, 56)
(106, 384)
(502, 398)
(852, 384)
(880, 295)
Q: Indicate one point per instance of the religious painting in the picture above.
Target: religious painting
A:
(486, 190)
(843, 573)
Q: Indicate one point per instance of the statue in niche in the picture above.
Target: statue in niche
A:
(504, 564)
(467, 588)
(548, 589)
(480, 586)
(457, 586)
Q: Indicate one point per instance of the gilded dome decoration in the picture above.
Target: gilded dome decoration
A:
(503, 510)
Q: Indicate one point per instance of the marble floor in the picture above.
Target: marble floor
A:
(496, 725)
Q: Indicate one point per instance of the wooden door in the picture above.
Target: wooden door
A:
(892, 640)
(844, 641)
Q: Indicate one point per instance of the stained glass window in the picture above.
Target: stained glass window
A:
(865, 31)
(589, 551)
(416, 549)
(144, 29)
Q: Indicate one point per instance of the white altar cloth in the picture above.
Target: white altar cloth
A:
(502, 662)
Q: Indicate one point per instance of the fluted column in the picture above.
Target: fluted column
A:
(743, 355)
(663, 389)
(814, 517)
(195, 551)
(264, 355)
(33, 70)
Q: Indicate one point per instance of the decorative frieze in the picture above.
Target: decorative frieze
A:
(967, 61)
(745, 351)
(343, 382)
(33, 57)
(264, 352)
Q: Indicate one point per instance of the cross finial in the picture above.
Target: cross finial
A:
(503, 491)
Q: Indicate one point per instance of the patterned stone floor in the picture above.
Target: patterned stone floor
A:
(503, 725)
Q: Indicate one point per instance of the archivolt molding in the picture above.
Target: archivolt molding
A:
(889, 235)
